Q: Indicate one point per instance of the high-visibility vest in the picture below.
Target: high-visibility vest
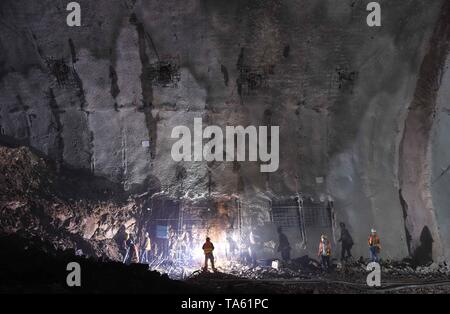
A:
(208, 247)
(374, 240)
(148, 244)
(327, 249)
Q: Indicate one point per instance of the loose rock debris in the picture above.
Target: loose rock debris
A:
(36, 203)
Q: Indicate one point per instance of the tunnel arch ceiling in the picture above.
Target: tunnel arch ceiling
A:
(342, 89)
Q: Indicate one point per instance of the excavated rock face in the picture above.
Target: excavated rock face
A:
(421, 153)
(361, 110)
(69, 210)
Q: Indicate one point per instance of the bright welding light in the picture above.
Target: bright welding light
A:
(197, 254)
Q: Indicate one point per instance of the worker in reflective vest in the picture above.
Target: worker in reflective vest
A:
(374, 246)
(324, 252)
(208, 249)
(145, 257)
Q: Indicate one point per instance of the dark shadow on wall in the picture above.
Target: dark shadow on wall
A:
(405, 216)
(423, 255)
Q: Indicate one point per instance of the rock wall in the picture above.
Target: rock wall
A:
(341, 92)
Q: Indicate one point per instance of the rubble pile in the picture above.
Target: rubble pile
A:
(397, 277)
(62, 206)
(404, 269)
(174, 269)
(264, 272)
(300, 268)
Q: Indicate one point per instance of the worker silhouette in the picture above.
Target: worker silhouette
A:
(232, 246)
(254, 244)
(208, 248)
(132, 254)
(347, 243)
(283, 246)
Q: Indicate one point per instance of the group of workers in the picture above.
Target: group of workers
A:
(346, 240)
(324, 252)
(284, 248)
(131, 250)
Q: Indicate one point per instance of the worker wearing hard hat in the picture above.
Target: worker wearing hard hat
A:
(208, 249)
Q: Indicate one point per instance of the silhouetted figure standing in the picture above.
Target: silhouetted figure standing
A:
(346, 241)
(232, 246)
(253, 246)
(171, 243)
(124, 246)
(132, 252)
(208, 249)
(283, 246)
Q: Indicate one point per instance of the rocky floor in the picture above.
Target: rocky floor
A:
(304, 275)
(395, 278)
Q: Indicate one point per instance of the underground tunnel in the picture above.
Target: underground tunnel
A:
(322, 145)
